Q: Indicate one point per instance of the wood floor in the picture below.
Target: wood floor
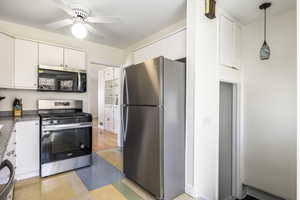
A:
(103, 140)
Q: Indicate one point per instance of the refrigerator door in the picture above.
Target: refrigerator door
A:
(142, 147)
(142, 83)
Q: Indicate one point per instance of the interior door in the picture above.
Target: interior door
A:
(225, 141)
(142, 157)
(143, 83)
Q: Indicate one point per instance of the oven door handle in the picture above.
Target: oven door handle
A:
(66, 126)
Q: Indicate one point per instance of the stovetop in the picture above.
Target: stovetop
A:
(64, 115)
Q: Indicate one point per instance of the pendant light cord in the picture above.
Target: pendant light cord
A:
(265, 24)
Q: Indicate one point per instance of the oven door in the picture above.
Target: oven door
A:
(59, 142)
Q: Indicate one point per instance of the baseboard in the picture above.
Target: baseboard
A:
(259, 194)
(191, 190)
(27, 175)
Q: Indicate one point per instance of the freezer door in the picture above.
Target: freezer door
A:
(142, 83)
(142, 147)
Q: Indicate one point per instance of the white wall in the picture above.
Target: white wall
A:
(95, 53)
(270, 106)
(298, 101)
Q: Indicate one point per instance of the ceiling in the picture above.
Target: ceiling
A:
(139, 18)
(247, 10)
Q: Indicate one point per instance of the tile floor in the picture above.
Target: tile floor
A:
(102, 181)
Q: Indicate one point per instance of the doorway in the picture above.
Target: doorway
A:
(107, 132)
(227, 141)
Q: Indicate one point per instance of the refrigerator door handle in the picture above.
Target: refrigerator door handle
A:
(125, 90)
(122, 122)
(126, 124)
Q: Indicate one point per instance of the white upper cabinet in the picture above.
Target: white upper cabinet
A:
(51, 55)
(230, 43)
(7, 61)
(172, 47)
(26, 64)
(74, 59)
(238, 48)
(175, 46)
(227, 42)
(151, 51)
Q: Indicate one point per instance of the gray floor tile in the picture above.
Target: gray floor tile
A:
(101, 173)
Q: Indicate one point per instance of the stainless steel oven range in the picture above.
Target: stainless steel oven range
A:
(65, 136)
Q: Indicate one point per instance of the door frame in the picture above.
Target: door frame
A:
(101, 73)
(236, 140)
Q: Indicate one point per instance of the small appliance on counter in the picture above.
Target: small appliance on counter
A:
(66, 136)
(17, 108)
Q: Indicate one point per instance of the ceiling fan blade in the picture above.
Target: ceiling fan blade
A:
(62, 4)
(93, 30)
(60, 24)
(103, 20)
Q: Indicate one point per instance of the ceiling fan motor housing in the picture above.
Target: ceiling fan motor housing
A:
(81, 12)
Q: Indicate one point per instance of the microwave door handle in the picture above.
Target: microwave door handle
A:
(79, 81)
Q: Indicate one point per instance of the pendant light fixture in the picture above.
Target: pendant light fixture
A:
(265, 50)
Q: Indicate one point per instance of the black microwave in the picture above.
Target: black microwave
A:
(59, 79)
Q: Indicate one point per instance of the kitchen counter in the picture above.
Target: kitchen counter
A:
(8, 128)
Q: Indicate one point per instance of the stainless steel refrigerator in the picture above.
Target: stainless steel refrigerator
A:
(153, 118)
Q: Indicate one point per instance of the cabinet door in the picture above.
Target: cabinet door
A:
(237, 46)
(7, 61)
(51, 55)
(74, 59)
(227, 42)
(176, 46)
(108, 74)
(151, 51)
(140, 55)
(117, 120)
(27, 149)
(117, 73)
(26, 64)
(109, 119)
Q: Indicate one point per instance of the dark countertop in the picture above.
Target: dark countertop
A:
(8, 128)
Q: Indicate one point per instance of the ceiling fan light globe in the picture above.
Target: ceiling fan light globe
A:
(79, 30)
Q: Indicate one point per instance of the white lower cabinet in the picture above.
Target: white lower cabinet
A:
(27, 149)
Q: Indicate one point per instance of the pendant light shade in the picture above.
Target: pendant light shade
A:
(265, 50)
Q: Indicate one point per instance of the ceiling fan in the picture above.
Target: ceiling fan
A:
(80, 19)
